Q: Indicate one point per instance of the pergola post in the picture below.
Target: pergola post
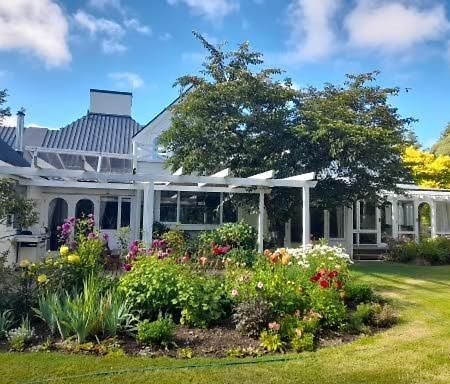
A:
(394, 212)
(433, 218)
(149, 199)
(261, 223)
(137, 217)
(305, 218)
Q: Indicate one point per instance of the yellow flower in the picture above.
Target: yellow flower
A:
(24, 263)
(42, 279)
(73, 258)
(64, 250)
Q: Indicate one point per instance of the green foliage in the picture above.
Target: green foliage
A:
(160, 332)
(359, 319)
(85, 314)
(185, 353)
(403, 251)
(6, 322)
(240, 352)
(19, 338)
(159, 229)
(442, 146)
(383, 315)
(328, 303)
(123, 240)
(242, 256)
(202, 299)
(289, 326)
(432, 250)
(176, 240)
(356, 293)
(4, 111)
(12, 203)
(237, 235)
(271, 341)
(303, 342)
(151, 286)
(252, 316)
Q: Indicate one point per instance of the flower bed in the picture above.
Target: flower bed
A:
(213, 297)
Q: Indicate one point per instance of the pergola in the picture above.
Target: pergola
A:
(149, 182)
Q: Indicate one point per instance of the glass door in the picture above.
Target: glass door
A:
(366, 223)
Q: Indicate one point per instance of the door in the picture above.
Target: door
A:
(366, 223)
(57, 213)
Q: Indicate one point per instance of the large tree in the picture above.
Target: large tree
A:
(4, 111)
(237, 114)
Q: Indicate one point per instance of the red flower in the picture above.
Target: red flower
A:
(333, 274)
(323, 272)
(315, 278)
(324, 284)
(338, 284)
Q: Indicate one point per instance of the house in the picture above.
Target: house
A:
(108, 164)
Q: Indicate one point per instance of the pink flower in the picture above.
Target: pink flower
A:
(105, 237)
(92, 235)
(260, 285)
(275, 326)
(127, 267)
(234, 292)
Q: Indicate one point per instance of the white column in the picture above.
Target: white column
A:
(306, 235)
(261, 223)
(134, 162)
(149, 192)
(348, 232)
(433, 218)
(416, 220)
(287, 234)
(378, 224)
(326, 224)
(136, 230)
(394, 212)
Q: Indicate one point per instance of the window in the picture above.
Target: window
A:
(229, 211)
(337, 223)
(168, 206)
(367, 215)
(125, 212)
(109, 212)
(83, 208)
(199, 208)
(406, 216)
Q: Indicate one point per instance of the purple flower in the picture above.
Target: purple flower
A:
(134, 249)
(92, 235)
(127, 267)
(72, 220)
(105, 237)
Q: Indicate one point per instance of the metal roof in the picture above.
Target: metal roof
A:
(10, 156)
(92, 132)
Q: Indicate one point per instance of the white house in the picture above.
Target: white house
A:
(107, 164)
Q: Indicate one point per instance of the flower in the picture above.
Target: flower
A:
(260, 285)
(92, 235)
(324, 284)
(105, 237)
(234, 292)
(298, 332)
(64, 250)
(42, 279)
(274, 326)
(24, 263)
(127, 267)
(73, 259)
(203, 260)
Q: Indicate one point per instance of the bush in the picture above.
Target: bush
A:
(435, 250)
(160, 332)
(356, 293)
(241, 256)
(328, 303)
(151, 286)
(235, 235)
(252, 316)
(201, 299)
(359, 319)
(176, 241)
(383, 315)
(271, 341)
(403, 251)
(20, 338)
(303, 342)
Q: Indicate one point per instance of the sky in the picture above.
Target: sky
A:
(53, 51)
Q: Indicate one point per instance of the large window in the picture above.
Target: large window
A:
(109, 212)
(367, 215)
(337, 223)
(199, 208)
(168, 206)
(406, 216)
(125, 212)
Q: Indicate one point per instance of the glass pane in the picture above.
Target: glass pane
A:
(406, 215)
(367, 216)
(367, 238)
(83, 208)
(386, 222)
(108, 212)
(316, 221)
(443, 217)
(168, 206)
(337, 223)
(199, 208)
(125, 210)
(229, 214)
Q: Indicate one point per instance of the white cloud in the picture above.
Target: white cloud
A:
(137, 26)
(38, 27)
(127, 80)
(113, 46)
(394, 26)
(312, 34)
(166, 36)
(212, 10)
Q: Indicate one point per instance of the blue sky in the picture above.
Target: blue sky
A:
(53, 51)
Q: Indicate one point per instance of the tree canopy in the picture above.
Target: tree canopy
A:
(442, 146)
(238, 114)
(4, 111)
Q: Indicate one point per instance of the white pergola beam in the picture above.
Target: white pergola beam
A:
(261, 223)
(306, 235)
(263, 176)
(149, 200)
(78, 152)
(223, 173)
(302, 177)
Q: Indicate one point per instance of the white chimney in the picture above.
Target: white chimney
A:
(110, 102)
(18, 145)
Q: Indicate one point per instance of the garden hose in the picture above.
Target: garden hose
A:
(172, 368)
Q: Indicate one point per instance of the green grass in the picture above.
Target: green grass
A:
(416, 351)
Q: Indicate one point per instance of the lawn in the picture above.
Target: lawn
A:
(416, 351)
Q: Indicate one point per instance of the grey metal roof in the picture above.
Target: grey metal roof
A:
(10, 156)
(92, 132)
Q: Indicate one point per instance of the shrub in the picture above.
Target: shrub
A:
(152, 286)
(356, 293)
(6, 322)
(383, 315)
(359, 319)
(328, 303)
(159, 332)
(403, 251)
(202, 299)
(19, 338)
(435, 250)
(271, 341)
(235, 235)
(176, 241)
(159, 229)
(252, 316)
(290, 325)
(303, 342)
(242, 256)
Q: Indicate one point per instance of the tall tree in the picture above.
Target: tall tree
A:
(4, 111)
(237, 114)
(442, 146)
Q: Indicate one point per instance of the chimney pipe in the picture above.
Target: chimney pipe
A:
(19, 130)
